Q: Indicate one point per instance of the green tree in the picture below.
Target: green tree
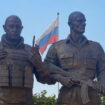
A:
(102, 100)
(41, 99)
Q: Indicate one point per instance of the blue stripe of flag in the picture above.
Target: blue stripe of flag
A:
(45, 39)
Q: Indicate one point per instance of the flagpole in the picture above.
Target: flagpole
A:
(58, 23)
(58, 38)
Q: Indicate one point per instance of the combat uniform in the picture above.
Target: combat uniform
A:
(16, 73)
(72, 57)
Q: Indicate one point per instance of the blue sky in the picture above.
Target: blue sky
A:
(37, 15)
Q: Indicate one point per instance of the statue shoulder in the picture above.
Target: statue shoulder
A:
(95, 44)
(55, 46)
(58, 43)
(27, 47)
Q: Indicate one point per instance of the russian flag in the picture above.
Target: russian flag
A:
(48, 37)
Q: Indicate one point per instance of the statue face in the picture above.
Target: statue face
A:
(78, 24)
(13, 27)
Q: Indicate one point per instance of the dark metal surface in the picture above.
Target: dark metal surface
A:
(72, 55)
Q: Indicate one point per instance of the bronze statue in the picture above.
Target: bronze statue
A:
(78, 61)
(18, 63)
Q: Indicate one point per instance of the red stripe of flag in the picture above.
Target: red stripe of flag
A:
(52, 39)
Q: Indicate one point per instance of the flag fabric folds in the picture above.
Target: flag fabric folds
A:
(48, 37)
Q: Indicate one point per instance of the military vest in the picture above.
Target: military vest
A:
(16, 70)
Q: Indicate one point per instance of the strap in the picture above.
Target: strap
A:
(84, 94)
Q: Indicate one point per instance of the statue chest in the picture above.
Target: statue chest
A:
(72, 57)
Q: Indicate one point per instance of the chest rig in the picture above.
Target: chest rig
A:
(16, 70)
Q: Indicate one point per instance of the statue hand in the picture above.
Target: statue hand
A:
(66, 81)
(34, 57)
(3, 54)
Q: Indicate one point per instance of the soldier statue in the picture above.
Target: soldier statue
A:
(18, 63)
(77, 54)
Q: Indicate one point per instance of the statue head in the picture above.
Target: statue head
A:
(77, 22)
(13, 27)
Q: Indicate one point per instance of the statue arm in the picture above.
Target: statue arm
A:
(52, 63)
(52, 58)
(38, 67)
(101, 65)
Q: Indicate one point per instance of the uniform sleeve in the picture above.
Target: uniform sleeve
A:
(101, 65)
(51, 57)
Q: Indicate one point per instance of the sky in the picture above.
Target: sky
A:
(37, 15)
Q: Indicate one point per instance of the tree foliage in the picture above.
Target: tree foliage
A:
(102, 100)
(41, 99)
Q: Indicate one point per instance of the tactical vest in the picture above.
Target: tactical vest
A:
(16, 70)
